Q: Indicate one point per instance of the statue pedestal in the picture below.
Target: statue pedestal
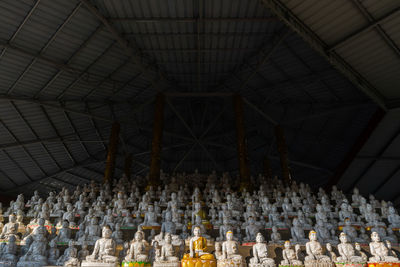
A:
(197, 262)
(262, 264)
(319, 264)
(31, 264)
(383, 264)
(167, 264)
(98, 264)
(135, 264)
(230, 263)
(8, 264)
(360, 264)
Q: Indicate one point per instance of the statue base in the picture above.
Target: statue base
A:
(290, 265)
(383, 264)
(31, 264)
(98, 264)
(262, 264)
(230, 263)
(167, 264)
(319, 264)
(135, 264)
(8, 264)
(357, 264)
(197, 262)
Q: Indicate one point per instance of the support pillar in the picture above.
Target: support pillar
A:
(267, 169)
(241, 143)
(112, 152)
(283, 154)
(128, 166)
(155, 164)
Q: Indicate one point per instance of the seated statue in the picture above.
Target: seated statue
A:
(64, 234)
(118, 235)
(260, 254)
(230, 252)
(346, 251)
(93, 230)
(10, 228)
(360, 253)
(137, 249)
(53, 253)
(223, 229)
(218, 251)
(393, 218)
(380, 253)
(276, 236)
(290, 256)
(104, 250)
(315, 256)
(251, 230)
(70, 257)
(150, 217)
(168, 226)
(167, 256)
(297, 232)
(36, 254)
(8, 254)
(198, 255)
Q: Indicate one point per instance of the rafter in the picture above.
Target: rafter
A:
(287, 16)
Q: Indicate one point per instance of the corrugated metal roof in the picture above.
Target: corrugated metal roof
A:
(65, 79)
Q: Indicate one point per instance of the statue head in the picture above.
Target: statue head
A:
(218, 246)
(117, 226)
(138, 236)
(71, 243)
(168, 238)
(259, 238)
(65, 224)
(93, 221)
(375, 237)
(388, 244)
(41, 222)
(287, 244)
(357, 246)
(329, 247)
(12, 218)
(106, 233)
(229, 235)
(343, 237)
(312, 235)
(274, 229)
(150, 208)
(197, 231)
(355, 191)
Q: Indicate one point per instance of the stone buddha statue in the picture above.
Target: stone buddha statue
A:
(104, 250)
(290, 256)
(260, 254)
(314, 250)
(167, 255)
(36, 255)
(230, 248)
(346, 251)
(379, 251)
(150, 217)
(10, 228)
(198, 253)
(137, 249)
(8, 254)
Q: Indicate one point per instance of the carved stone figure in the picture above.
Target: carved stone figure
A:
(260, 254)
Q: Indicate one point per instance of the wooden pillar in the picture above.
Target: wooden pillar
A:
(128, 165)
(154, 175)
(241, 143)
(267, 169)
(112, 152)
(283, 154)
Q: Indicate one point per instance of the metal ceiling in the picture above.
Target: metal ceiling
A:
(68, 69)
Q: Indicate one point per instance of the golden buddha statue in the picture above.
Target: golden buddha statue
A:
(198, 257)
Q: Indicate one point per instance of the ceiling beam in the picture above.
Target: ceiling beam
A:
(193, 20)
(372, 24)
(287, 16)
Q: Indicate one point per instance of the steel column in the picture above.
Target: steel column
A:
(241, 143)
(112, 152)
(155, 164)
(283, 154)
